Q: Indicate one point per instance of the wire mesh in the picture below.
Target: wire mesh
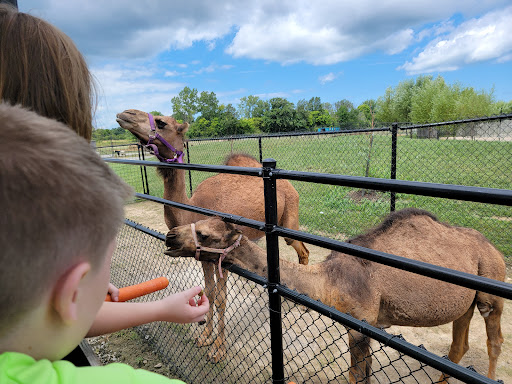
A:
(316, 348)
(467, 153)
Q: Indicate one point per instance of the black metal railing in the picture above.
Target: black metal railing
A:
(276, 291)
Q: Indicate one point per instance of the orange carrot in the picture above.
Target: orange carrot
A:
(133, 291)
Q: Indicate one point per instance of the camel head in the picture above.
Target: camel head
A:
(212, 233)
(137, 122)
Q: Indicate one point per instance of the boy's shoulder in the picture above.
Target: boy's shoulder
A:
(20, 369)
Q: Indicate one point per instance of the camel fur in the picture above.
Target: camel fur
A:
(381, 295)
(228, 193)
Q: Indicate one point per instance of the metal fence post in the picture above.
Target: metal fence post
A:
(394, 134)
(189, 171)
(260, 146)
(143, 171)
(276, 334)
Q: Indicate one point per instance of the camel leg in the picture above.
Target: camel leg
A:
(360, 358)
(301, 249)
(206, 337)
(491, 308)
(460, 339)
(218, 350)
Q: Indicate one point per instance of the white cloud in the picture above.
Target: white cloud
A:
(476, 40)
(288, 31)
(131, 88)
(172, 73)
(330, 77)
(212, 68)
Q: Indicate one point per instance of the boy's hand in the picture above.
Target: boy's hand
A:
(114, 292)
(183, 307)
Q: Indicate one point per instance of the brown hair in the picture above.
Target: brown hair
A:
(60, 203)
(41, 69)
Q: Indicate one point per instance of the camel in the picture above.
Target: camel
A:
(228, 193)
(381, 295)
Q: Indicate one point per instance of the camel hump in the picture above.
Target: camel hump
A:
(241, 160)
(367, 238)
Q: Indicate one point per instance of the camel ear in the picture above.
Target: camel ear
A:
(182, 128)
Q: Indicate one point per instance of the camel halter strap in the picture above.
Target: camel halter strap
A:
(223, 252)
(178, 155)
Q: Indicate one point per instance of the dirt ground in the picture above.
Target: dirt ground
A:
(128, 347)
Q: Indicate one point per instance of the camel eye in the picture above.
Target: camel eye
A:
(202, 237)
(160, 124)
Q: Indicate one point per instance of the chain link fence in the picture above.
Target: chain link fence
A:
(316, 347)
(474, 152)
(315, 341)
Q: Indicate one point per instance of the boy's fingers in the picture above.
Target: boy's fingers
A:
(114, 292)
(203, 300)
(192, 292)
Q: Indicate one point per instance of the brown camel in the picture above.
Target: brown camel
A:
(381, 295)
(234, 194)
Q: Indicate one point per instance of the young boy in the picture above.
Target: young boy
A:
(61, 207)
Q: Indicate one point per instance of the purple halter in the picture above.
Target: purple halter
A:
(178, 155)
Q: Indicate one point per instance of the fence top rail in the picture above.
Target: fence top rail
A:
(462, 121)
(248, 171)
(118, 145)
(447, 191)
(292, 134)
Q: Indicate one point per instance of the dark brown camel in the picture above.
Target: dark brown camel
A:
(234, 194)
(381, 295)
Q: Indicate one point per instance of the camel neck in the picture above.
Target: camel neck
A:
(308, 279)
(175, 190)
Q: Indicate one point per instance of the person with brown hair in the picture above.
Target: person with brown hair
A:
(62, 207)
(41, 69)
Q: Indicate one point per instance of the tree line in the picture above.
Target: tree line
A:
(422, 100)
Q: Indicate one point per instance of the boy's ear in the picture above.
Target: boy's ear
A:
(64, 299)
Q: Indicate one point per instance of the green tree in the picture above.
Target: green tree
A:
(247, 106)
(314, 104)
(422, 100)
(186, 105)
(280, 117)
(228, 120)
(501, 107)
(208, 105)
(471, 103)
(250, 126)
(384, 110)
(345, 114)
(321, 118)
(367, 112)
(262, 107)
(303, 117)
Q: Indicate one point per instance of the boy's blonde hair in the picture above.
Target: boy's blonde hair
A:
(60, 203)
(41, 69)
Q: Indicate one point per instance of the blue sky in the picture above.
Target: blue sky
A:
(143, 53)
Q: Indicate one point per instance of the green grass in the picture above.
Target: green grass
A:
(331, 210)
